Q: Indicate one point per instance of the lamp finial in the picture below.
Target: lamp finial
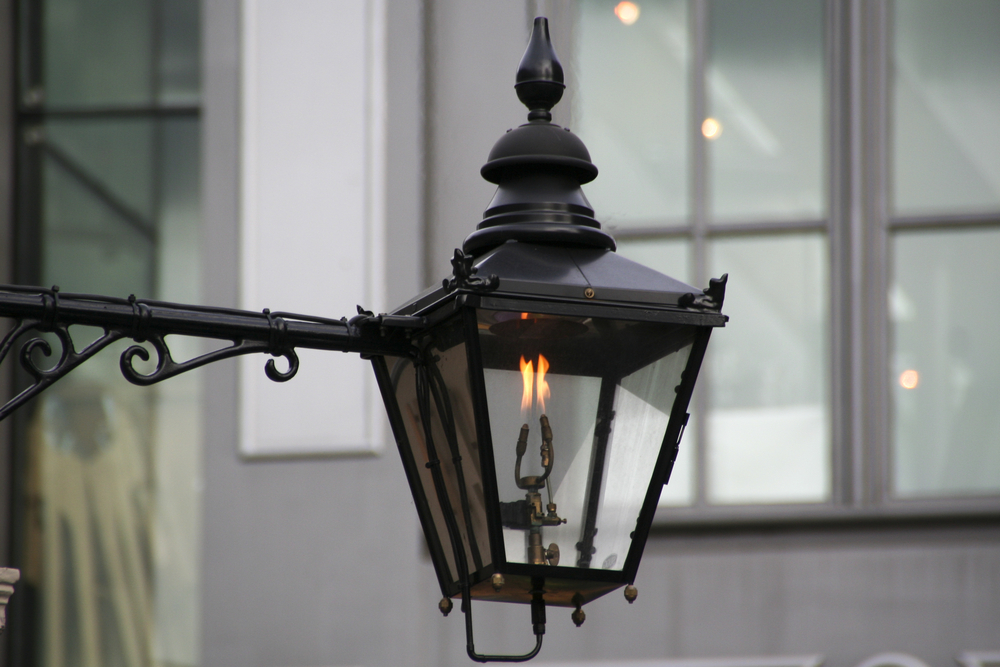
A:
(539, 82)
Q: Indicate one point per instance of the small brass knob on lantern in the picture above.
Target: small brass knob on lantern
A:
(445, 605)
(578, 616)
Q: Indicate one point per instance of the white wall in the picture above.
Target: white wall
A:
(312, 211)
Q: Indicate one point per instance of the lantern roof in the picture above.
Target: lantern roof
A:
(574, 273)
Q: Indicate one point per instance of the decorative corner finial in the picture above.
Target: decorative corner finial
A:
(539, 82)
(463, 269)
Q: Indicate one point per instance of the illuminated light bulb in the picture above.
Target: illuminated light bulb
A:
(711, 128)
(627, 12)
(909, 379)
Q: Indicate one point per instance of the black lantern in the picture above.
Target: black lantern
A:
(541, 411)
(537, 396)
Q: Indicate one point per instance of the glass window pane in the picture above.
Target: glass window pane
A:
(98, 53)
(111, 164)
(92, 491)
(768, 422)
(571, 415)
(99, 234)
(645, 400)
(179, 405)
(108, 460)
(630, 107)
(180, 52)
(946, 107)
(764, 84)
(945, 372)
(180, 211)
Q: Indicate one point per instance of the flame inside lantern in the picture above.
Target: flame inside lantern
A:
(542, 389)
(528, 375)
(534, 383)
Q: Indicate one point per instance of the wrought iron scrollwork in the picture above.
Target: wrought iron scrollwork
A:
(276, 345)
(166, 367)
(464, 273)
(69, 357)
(49, 311)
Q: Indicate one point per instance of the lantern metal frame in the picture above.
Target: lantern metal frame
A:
(442, 305)
(516, 287)
(539, 249)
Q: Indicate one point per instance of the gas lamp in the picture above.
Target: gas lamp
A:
(542, 409)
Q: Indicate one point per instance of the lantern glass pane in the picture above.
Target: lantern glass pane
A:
(606, 389)
(670, 256)
(453, 443)
(643, 402)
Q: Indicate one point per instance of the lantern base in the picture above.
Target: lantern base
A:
(558, 592)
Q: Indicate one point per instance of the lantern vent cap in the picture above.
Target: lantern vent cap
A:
(539, 167)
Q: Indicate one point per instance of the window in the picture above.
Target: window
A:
(843, 166)
(107, 516)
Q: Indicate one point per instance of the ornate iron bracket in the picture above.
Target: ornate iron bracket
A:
(463, 272)
(278, 334)
(166, 367)
(69, 358)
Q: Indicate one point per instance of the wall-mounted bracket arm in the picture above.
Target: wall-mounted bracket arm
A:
(49, 311)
